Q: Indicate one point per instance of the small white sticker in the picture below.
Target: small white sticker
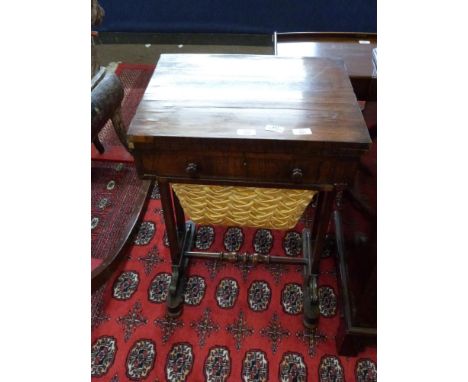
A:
(274, 128)
(246, 132)
(306, 131)
(364, 42)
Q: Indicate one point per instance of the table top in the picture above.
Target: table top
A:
(249, 97)
(354, 51)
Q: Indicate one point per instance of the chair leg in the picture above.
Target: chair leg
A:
(98, 145)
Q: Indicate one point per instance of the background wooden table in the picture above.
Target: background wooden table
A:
(355, 49)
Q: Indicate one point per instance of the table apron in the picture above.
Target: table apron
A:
(247, 183)
(317, 173)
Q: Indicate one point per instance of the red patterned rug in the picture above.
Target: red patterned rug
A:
(135, 79)
(238, 323)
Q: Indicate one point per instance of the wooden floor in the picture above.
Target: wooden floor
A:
(142, 54)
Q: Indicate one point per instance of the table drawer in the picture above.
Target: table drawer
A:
(258, 167)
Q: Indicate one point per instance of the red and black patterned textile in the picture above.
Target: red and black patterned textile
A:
(238, 324)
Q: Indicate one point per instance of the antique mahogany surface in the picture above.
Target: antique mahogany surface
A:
(211, 96)
(195, 106)
(207, 119)
(355, 49)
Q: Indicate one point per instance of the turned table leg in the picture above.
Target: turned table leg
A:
(175, 297)
(313, 245)
(180, 236)
(180, 216)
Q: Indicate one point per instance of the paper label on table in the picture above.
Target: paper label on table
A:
(274, 128)
(306, 131)
(246, 132)
(364, 42)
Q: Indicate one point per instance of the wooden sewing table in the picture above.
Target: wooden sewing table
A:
(252, 121)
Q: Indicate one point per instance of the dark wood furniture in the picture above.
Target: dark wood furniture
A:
(355, 223)
(128, 223)
(355, 49)
(357, 270)
(203, 119)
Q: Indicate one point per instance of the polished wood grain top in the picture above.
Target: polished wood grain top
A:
(354, 50)
(248, 97)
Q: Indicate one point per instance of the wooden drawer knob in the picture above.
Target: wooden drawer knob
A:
(192, 169)
(296, 175)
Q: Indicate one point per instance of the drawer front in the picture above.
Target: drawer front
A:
(268, 168)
